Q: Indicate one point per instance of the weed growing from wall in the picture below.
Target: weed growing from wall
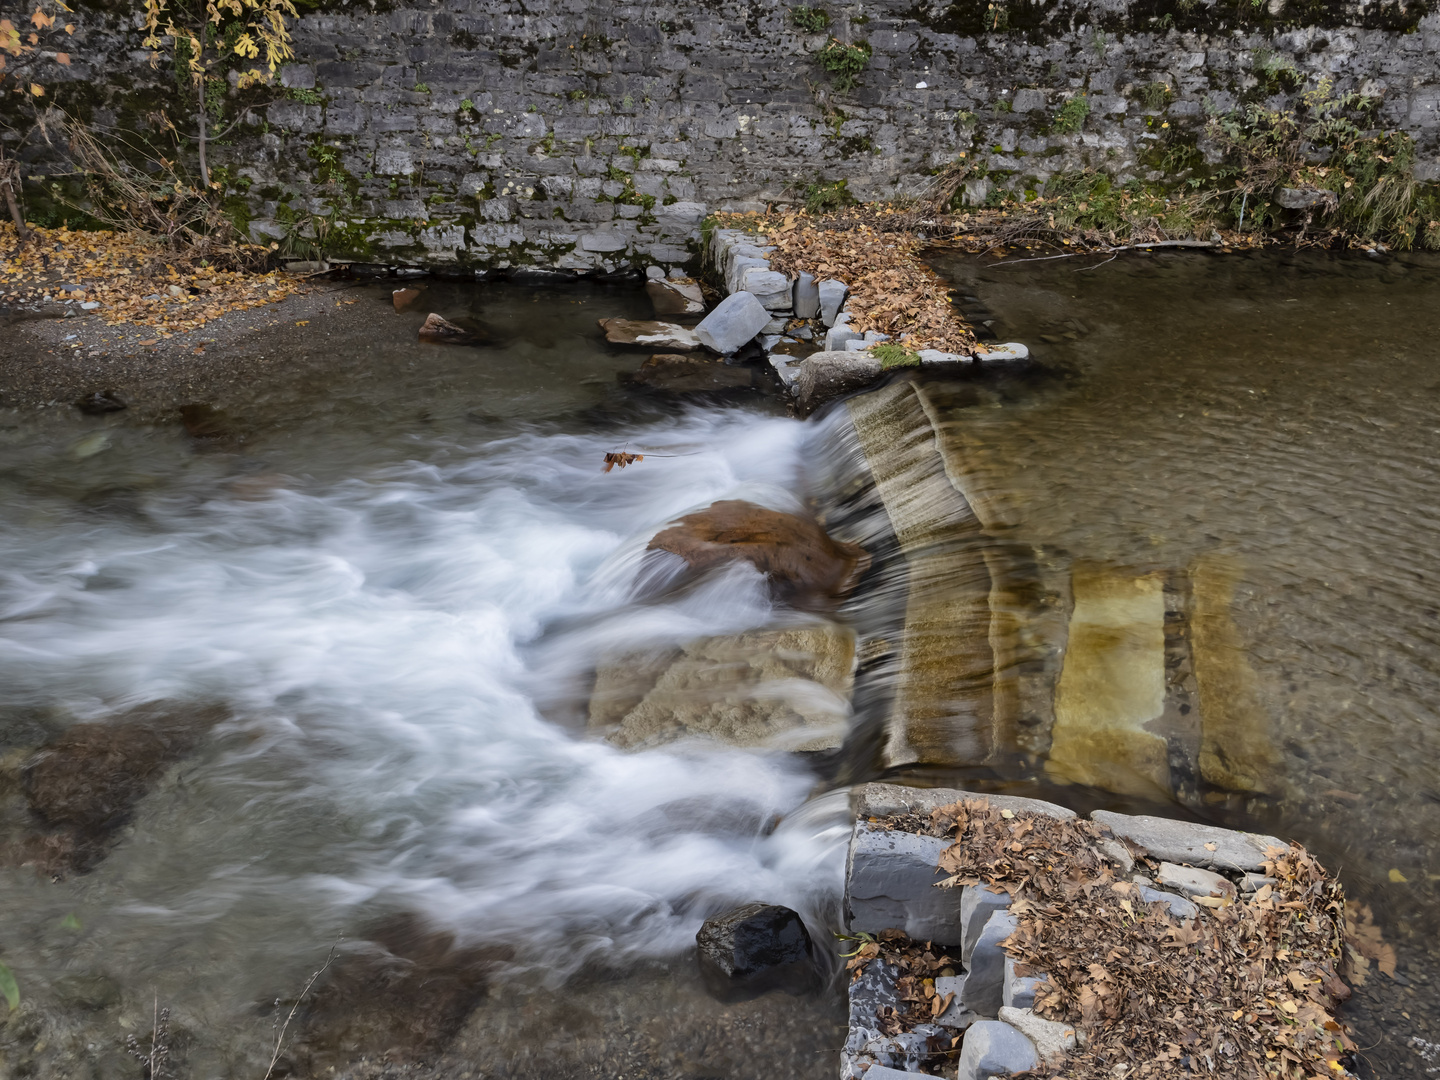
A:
(826, 198)
(1071, 117)
(811, 20)
(844, 63)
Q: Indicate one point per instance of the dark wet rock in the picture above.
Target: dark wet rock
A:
(404, 299)
(90, 992)
(673, 373)
(82, 786)
(101, 402)
(442, 331)
(794, 552)
(675, 296)
(753, 949)
(830, 374)
(203, 421)
(649, 334)
(400, 995)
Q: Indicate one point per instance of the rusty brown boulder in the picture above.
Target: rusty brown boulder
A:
(404, 299)
(794, 552)
(649, 334)
(444, 332)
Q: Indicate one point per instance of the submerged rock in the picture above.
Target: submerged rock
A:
(675, 296)
(204, 421)
(795, 553)
(753, 949)
(676, 374)
(783, 688)
(404, 299)
(101, 402)
(649, 334)
(401, 995)
(84, 784)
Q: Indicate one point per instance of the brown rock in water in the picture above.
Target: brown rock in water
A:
(445, 332)
(84, 784)
(676, 374)
(675, 296)
(794, 552)
(203, 421)
(649, 334)
(402, 995)
(404, 299)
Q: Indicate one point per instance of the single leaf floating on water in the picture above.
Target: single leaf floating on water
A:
(70, 922)
(9, 988)
(621, 459)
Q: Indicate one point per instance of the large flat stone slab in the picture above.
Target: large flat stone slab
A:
(890, 885)
(649, 334)
(734, 323)
(992, 1048)
(1112, 685)
(1187, 842)
(886, 800)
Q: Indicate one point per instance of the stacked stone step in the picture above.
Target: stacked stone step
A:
(890, 884)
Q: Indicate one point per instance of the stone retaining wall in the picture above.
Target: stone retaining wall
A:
(594, 136)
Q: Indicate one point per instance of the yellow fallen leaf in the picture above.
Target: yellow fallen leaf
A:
(1398, 878)
(303, 322)
(37, 89)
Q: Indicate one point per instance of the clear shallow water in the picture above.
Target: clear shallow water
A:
(1269, 421)
(382, 591)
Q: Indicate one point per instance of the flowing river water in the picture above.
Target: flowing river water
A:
(365, 599)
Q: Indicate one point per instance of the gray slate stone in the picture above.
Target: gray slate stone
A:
(827, 375)
(1019, 990)
(890, 882)
(1052, 1040)
(1012, 352)
(886, 800)
(1184, 842)
(934, 357)
(1180, 907)
(807, 296)
(977, 904)
(733, 323)
(770, 287)
(735, 272)
(985, 978)
(838, 339)
(832, 295)
(956, 1016)
(995, 1049)
(1028, 100)
(1193, 881)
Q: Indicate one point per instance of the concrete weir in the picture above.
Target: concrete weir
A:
(952, 704)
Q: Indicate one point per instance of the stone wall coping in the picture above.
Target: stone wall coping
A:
(886, 800)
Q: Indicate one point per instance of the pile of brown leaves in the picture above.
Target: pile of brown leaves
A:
(121, 272)
(1246, 989)
(891, 288)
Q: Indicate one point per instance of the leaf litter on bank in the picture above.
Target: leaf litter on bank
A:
(1247, 988)
(121, 271)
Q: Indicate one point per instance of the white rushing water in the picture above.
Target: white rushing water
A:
(386, 645)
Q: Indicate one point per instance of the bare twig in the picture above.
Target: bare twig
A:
(280, 1037)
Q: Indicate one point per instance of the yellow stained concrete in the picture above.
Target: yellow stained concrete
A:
(1236, 751)
(1111, 685)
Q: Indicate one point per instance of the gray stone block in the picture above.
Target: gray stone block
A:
(977, 904)
(890, 877)
(837, 339)
(770, 287)
(1028, 101)
(1019, 990)
(1185, 842)
(1009, 353)
(1052, 1040)
(936, 358)
(831, 294)
(807, 296)
(885, 800)
(733, 323)
(827, 375)
(992, 1048)
(955, 1016)
(1180, 907)
(738, 265)
(1193, 881)
(985, 978)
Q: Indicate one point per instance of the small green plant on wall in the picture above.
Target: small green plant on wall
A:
(844, 63)
(811, 20)
(1071, 117)
(825, 198)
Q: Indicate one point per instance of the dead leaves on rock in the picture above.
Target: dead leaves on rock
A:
(891, 289)
(130, 281)
(1245, 989)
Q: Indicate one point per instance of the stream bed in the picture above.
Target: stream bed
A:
(360, 603)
